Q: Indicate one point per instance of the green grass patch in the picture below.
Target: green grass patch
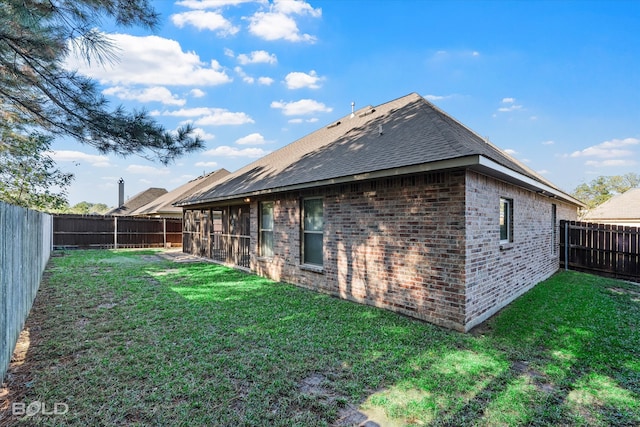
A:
(126, 338)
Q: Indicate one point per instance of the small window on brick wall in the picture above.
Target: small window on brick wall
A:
(506, 220)
(312, 231)
(266, 229)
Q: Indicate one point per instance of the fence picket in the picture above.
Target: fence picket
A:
(97, 231)
(612, 250)
(25, 247)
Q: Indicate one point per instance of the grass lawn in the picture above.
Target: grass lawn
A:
(127, 338)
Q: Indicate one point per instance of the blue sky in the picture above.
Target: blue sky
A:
(555, 83)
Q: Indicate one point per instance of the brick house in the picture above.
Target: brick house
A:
(397, 206)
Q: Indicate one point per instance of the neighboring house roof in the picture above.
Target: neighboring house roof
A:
(625, 207)
(163, 205)
(407, 135)
(138, 200)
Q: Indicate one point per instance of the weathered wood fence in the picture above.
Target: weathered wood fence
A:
(611, 250)
(106, 232)
(25, 248)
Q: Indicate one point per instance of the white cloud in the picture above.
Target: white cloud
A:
(278, 24)
(245, 77)
(221, 117)
(267, 81)
(197, 93)
(208, 116)
(78, 157)
(147, 170)
(145, 181)
(610, 162)
(184, 112)
(297, 80)
(608, 149)
(257, 57)
(226, 151)
(203, 134)
(152, 60)
(206, 164)
(298, 120)
(510, 108)
(289, 7)
(543, 171)
(509, 105)
(301, 107)
(151, 94)
(251, 139)
(510, 151)
(202, 20)
(211, 4)
(549, 142)
(438, 97)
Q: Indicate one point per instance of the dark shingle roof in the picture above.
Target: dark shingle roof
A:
(414, 132)
(163, 205)
(138, 200)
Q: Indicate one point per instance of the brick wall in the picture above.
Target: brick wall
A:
(497, 274)
(393, 243)
(427, 246)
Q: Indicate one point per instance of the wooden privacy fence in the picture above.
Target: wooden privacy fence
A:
(25, 247)
(97, 231)
(611, 250)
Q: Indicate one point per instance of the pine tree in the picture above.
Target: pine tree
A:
(35, 88)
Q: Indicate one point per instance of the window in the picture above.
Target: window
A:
(312, 230)
(266, 229)
(554, 230)
(506, 220)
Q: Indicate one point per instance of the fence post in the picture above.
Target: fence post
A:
(115, 232)
(164, 232)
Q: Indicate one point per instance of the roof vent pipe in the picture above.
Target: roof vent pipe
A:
(353, 106)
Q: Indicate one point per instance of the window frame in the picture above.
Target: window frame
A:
(506, 211)
(262, 230)
(554, 230)
(305, 232)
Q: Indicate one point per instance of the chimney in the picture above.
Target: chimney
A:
(120, 192)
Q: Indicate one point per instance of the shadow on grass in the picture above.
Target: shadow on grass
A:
(145, 341)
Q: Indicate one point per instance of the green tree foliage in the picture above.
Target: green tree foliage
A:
(85, 208)
(35, 88)
(28, 176)
(603, 188)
